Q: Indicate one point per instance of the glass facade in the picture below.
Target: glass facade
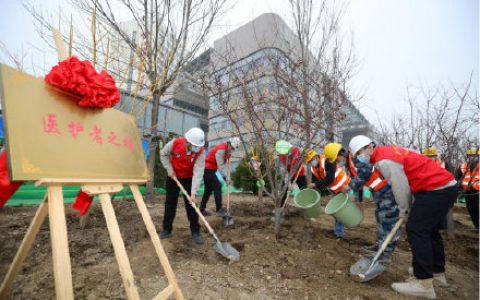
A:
(170, 119)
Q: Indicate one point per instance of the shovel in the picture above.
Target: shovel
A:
(227, 219)
(367, 268)
(224, 248)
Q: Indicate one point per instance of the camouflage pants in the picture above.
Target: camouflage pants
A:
(386, 215)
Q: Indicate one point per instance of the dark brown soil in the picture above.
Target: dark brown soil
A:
(306, 262)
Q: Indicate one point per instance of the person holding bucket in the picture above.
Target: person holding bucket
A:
(291, 158)
(291, 167)
(184, 159)
(328, 173)
(435, 190)
(386, 212)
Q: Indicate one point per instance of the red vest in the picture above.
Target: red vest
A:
(293, 160)
(211, 161)
(423, 173)
(376, 181)
(181, 162)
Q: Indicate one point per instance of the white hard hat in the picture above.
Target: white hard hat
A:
(235, 142)
(358, 142)
(196, 137)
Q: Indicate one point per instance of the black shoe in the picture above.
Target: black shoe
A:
(371, 248)
(165, 234)
(222, 212)
(205, 213)
(197, 238)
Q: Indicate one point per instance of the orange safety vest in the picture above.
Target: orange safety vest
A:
(471, 178)
(440, 162)
(341, 179)
(376, 181)
(352, 170)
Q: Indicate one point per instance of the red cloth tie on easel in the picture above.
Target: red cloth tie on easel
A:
(82, 202)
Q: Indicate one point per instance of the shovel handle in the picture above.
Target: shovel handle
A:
(200, 215)
(387, 240)
(391, 234)
(383, 247)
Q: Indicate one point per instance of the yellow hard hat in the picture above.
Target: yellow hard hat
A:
(309, 155)
(430, 152)
(331, 151)
(473, 151)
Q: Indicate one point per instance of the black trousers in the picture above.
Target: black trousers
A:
(301, 182)
(423, 230)
(212, 184)
(171, 205)
(472, 206)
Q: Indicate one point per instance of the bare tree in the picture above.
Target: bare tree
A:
(168, 36)
(445, 117)
(292, 89)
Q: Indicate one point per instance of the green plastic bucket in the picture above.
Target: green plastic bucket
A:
(309, 201)
(344, 211)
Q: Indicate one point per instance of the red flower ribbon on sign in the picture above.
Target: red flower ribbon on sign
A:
(80, 78)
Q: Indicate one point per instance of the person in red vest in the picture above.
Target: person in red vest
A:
(291, 157)
(435, 191)
(386, 211)
(217, 159)
(183, 158)
(469, 183)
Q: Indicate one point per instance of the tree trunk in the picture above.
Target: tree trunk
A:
(277, 221)
(260, 194)
(153, 141)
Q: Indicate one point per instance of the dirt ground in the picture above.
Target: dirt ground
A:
(306, 262)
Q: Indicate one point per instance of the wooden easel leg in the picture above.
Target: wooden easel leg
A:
(147, 219)
(22, 252)
(62, 268)
(119, 247)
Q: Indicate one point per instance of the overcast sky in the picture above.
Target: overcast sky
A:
(398, 42)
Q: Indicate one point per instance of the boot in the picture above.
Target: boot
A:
(438, 278)
(416, 287)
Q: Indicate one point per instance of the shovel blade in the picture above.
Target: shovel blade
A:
(372, 272)
(227, 221)
(361, 266)
(226, 250)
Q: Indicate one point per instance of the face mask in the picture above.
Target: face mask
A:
(314, 163)
(341, 164)
(363, 158)
(196, 148)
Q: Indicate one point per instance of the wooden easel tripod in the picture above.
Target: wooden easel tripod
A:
(53, 206)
